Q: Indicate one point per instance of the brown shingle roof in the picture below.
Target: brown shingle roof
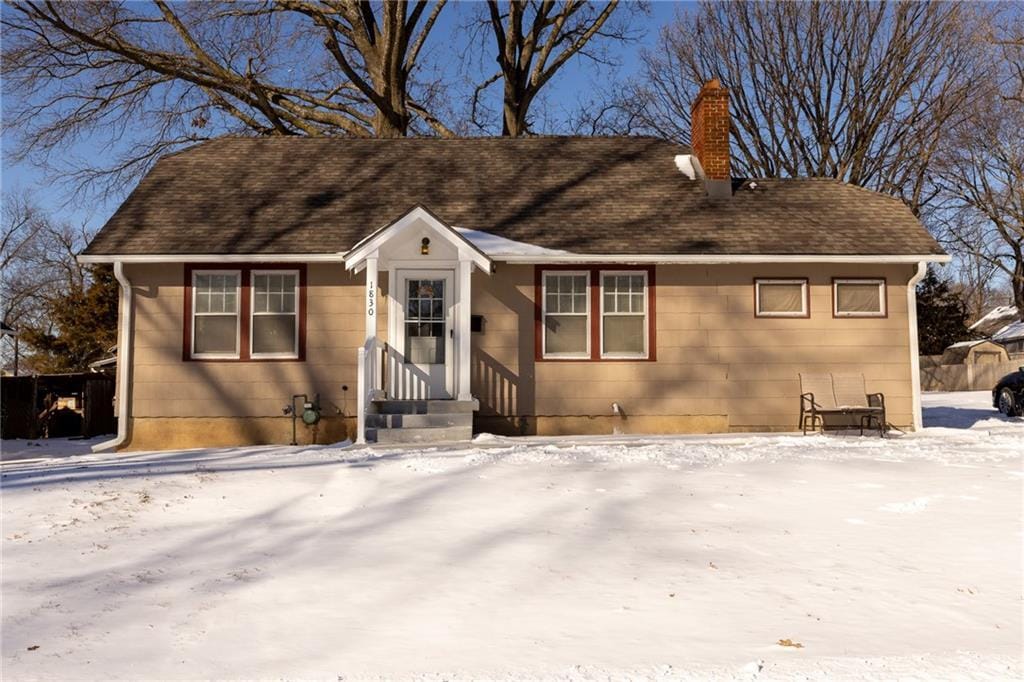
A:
(586, 195)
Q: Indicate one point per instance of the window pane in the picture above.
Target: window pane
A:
(624, 335)
(273, 334)
(858, 297)
(781, 297)
(215, 293)
(215, 334)
(260, 303)
(424, 343)
(579, 284)
(565, 334)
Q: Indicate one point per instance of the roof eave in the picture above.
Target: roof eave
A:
(667, 259)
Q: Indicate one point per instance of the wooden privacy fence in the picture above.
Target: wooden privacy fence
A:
(27, 409)
(965, 377)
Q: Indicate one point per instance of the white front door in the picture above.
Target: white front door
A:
(424, 335)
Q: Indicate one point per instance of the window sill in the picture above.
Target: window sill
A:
(859, 315)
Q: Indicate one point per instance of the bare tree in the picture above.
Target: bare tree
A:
(37, 264)
(845, 89)
(981, 181)
(153, 77)
(1008, 36)
(534, 39)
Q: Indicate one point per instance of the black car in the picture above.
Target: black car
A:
(1008, 395)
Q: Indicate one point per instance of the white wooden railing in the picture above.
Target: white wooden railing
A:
(403, 381)
(370, 380)
(383, 373)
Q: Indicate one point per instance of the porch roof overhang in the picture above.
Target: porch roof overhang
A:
(371, 245)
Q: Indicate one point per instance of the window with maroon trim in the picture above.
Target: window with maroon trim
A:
(245, 313)
(592, 313)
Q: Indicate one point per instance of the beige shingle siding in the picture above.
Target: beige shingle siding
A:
(163, 385)
(588, 195)
(713, 356)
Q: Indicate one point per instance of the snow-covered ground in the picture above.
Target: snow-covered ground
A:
(589, 558)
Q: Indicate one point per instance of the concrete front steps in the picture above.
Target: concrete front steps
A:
(399, 422)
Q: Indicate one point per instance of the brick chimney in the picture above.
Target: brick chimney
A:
(709, 137)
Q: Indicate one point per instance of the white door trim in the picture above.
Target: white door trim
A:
(398, 295)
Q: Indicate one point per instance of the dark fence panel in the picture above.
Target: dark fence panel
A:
(17, 407)
(99, 407)
(28, 406)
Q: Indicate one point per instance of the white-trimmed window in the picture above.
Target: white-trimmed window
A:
(624, 314)
(275, 319)
(781, 298)
(566, 314)
(215, 319)
(858, 297)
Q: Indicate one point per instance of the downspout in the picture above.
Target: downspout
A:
(124, 361)
(915, 358)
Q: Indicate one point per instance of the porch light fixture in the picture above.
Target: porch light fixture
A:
(425, 246)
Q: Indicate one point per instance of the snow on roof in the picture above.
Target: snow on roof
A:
(493, 245)
(1010, 332)
(964, 344)
(997, 316)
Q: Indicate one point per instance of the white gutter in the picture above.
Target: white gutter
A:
(707, 259)
(696, 259)
(915, 358)
(217, 258)
(124, 361)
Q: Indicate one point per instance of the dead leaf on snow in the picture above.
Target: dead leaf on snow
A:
(789, 642)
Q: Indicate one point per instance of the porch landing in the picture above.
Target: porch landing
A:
(420, 421)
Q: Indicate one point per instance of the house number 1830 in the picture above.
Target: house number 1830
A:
(371, 301)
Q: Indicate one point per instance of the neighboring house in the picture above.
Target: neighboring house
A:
(548, 285)
(107, 364)
(1004, 326)
(995, 319)
(1011, 337)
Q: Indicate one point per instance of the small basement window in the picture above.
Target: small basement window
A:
(858, 298)
(781, 298)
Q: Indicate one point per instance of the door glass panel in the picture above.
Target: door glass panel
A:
(425, 322)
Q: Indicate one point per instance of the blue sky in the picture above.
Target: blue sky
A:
(573, 83)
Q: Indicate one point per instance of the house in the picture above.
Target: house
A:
(1004, 326)
(417, 288)
(995, 319)
(1011, 337)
